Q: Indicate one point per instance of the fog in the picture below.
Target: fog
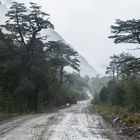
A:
(85, 24)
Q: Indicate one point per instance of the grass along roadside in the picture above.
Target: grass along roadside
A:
(108, 111)
(125, 123)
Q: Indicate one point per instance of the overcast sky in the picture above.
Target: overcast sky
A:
(85, 24)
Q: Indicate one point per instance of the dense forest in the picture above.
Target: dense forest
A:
(123, 90)
(32, 71)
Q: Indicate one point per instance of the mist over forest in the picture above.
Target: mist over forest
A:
(44, 76)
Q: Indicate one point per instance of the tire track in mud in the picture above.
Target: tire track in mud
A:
(78, 123)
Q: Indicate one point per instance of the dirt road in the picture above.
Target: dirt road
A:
(73, 123)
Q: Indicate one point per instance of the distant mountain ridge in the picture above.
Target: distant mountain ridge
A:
(85, 67)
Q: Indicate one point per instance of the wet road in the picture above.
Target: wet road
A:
(72, 123)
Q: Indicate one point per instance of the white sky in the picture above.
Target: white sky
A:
(85, 24)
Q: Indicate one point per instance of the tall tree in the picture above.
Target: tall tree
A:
(61, 56)
(122, 65)
(113, 68)
(24, 26)
(126, 31)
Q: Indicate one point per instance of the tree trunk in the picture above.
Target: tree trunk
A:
(61, 75)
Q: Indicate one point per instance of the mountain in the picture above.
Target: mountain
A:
(85, 67)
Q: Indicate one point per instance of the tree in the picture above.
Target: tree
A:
(61, 56)
(128, 65)
(132, 93)
(113, 68)
(24, 28)
(126, 31)
(104, 93)
(25, 25)
(123, 65)
(9, 74)
(23, 43)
